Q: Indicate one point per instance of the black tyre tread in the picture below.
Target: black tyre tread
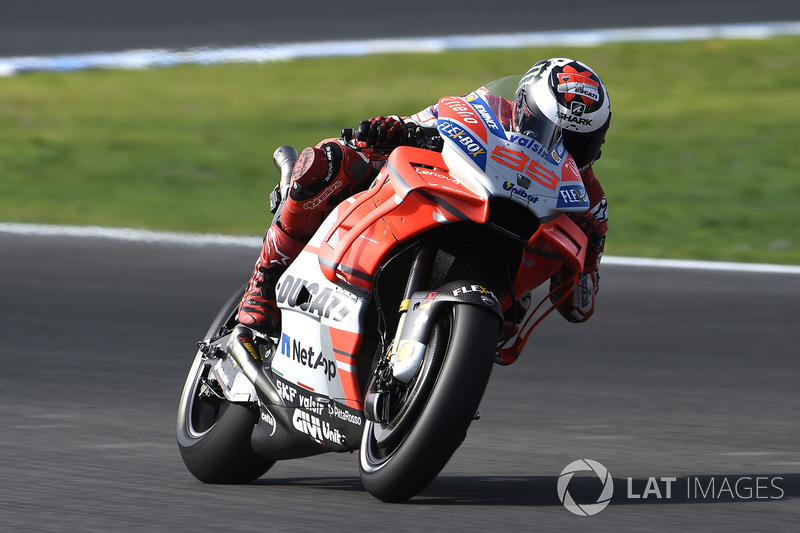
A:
(444, 421)
(223, 455)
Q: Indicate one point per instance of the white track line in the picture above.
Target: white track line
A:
(126, 234)
(196, 239)
(270, 52)
(691, 264)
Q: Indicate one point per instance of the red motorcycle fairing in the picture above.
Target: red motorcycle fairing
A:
(414, 193)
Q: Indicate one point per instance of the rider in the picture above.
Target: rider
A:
(555, 97)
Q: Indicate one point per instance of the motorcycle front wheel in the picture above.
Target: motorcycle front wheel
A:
(213, 433)
(399, 459)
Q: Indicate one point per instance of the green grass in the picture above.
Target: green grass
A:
(701, 160)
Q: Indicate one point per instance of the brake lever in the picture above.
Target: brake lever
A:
(360, 146)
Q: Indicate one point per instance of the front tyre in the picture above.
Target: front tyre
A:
(213, 433)
(443, 400)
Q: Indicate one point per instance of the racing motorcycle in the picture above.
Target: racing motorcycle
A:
(392, 313)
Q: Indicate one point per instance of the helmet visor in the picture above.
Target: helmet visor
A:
(529, 120)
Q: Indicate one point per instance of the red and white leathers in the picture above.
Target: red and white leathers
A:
(322, 177)
(579, 306)
(332, 171)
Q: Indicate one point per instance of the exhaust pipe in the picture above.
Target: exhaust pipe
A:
(244, 352)
(284, 158)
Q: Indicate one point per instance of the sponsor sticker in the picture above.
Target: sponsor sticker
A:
(572, 196)
(307, 356)
(332, 303)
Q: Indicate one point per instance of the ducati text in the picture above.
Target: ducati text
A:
(307, 296)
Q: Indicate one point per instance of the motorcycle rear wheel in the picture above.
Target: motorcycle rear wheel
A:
(446, 394)
(214, 434)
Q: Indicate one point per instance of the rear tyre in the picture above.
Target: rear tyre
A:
(214, 434)
(399, 459)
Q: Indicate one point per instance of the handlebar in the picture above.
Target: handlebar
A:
(417, 136)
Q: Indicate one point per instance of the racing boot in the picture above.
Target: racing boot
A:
(258, 308)
(321, 177)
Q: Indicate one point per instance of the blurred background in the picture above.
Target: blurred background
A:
(679, 373)
(699, 161)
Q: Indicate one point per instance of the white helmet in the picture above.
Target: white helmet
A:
(563, 98)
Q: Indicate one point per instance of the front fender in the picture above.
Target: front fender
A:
(424, 309)
(425, 306)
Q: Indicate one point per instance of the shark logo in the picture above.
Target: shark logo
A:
(577, 108)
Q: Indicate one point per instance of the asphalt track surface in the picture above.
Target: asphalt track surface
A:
(681, 373)
(46, 27)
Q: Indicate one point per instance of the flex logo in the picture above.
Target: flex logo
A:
(481, 291)
(572, 196)
(460, 135)
(307, 357)
(307, 296)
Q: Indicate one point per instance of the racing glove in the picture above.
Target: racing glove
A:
(382, 132)
(578, 305)
(595, 230)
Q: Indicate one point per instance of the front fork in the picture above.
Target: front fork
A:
(382, 383)
(419, 311)
(418, 279)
